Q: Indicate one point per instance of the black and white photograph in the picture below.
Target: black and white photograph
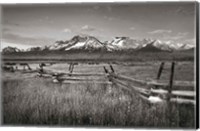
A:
(107, 65)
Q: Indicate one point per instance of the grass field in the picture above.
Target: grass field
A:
(101, 56)
(34, 100)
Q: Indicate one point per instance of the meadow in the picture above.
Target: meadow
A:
(30, 100)
(84, 56)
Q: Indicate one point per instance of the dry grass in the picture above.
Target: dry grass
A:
(184, 71)
(100, 56)
(44, 103)
(37, 101)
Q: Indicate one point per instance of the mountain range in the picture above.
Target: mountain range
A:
(91, 43)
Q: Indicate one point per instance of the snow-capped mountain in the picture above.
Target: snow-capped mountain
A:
(91, 43)
(122, 43)
(162, 45)
(88, 42)
(151, 47)
(34, 49)
(10, 50)
(186, 47)
(117, 44)
(79, 42)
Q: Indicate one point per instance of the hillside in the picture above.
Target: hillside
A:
(150, 48)
(118, 44)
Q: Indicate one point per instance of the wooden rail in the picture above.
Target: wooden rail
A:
(170, 91)
(174, 91)
(128, 79)
(178, 96)
(177, 84)
(177, 93)
(182, 101)
(82, 79)
(83, 82)
(134, 88)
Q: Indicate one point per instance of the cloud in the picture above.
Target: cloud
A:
(25, 40)
(10, 24)
(88, 28)
(51, 21)
(161, 31)
(18, 45)
(182, 33)
(46, 17)
(5, 29)
(176, 37)
(132, 28)
(108, 18)
(96, 7)
(109, 8)
(184, 11)
(179, 35)
(191, 41)
(66, 30)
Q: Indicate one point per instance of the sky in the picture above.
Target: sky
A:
(26, 25)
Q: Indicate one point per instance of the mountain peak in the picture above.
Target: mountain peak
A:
(79, 38)
(91, 43)
(10, 49)
(83, 42)
(150, 48)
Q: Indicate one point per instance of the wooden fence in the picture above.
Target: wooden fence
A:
(158, 91)
(153, 91)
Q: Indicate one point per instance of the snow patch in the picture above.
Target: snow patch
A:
(76, 46)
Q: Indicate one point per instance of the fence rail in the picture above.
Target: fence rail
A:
(169, 91)
(128, 79)
(175, 92)
(172, 91)
(177, 84)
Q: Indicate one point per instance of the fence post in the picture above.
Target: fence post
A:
(160, 70)
(169, 106)
(106, 71)
(112, 69)
(29, 67)
(41, 68)
(70, 66)
(171, 80)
